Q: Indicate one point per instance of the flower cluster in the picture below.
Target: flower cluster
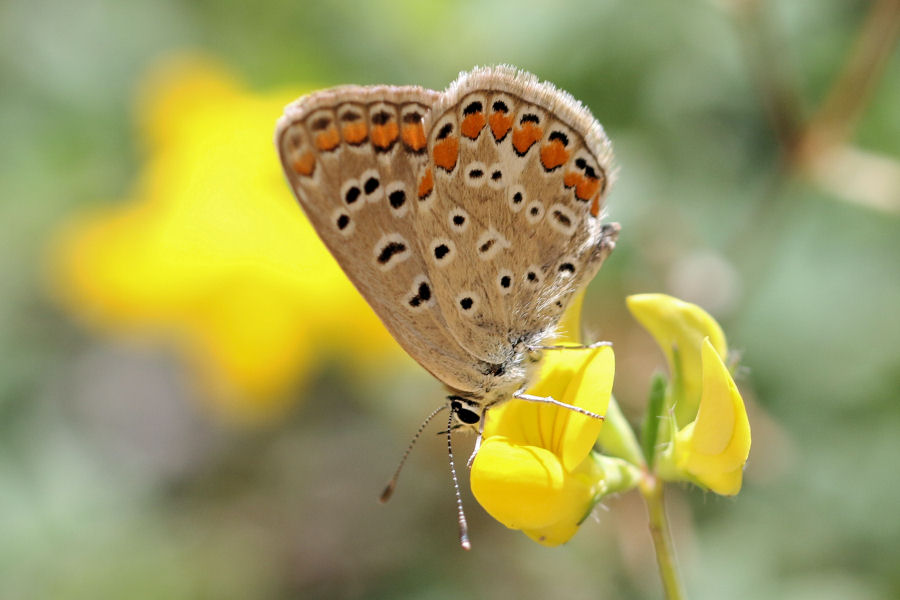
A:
(542, 469)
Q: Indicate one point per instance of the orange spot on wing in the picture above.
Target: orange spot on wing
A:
(586, 188)
(572, 178)
(471, 126)
(501, 123)
(414, 136)
(554, 154)
(305, 164)
(525, 137)
(595, 206)
(445, 153)
(385, 135)
(328, 139)
(426, 184)
(355, 133)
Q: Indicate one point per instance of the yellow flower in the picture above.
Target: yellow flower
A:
(679, 328)
(210, 251)
(535, 470)
(712, 448)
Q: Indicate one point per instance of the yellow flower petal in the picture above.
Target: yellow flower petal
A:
(534, 470)
(590, 388)
(679, 328)
(526, 487)
(714, 448)
(581, 377)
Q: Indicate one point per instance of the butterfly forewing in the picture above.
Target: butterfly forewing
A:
(352, 155)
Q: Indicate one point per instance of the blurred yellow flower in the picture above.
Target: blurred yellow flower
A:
(679, 328)
(535, 470)
(211, 252)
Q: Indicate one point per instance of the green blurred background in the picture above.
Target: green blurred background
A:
(119, 478)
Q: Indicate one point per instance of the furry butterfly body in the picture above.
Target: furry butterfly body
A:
(467, 218)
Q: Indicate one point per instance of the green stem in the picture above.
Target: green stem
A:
(653, 491)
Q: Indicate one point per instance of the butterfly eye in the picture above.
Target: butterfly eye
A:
(465, 415)
(469, 417)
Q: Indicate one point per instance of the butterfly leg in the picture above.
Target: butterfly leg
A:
(555, 402)
(571, 347)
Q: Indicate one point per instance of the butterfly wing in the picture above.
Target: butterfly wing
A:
(512, 229)
(352, 155)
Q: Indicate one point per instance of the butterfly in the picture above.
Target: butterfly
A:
(468, 218)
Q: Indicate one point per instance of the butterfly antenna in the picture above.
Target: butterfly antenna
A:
(463, 526)
(389, 488)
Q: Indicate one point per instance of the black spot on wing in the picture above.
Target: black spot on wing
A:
(389, 251)
(446, 130)
(559, 135)
(397, 198)
(472, 108)
(381, 117)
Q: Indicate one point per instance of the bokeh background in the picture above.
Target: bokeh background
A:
(195, 404)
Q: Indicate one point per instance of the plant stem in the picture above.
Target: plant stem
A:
(653, 491)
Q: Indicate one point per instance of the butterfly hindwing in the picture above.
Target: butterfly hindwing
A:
(527, 168)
